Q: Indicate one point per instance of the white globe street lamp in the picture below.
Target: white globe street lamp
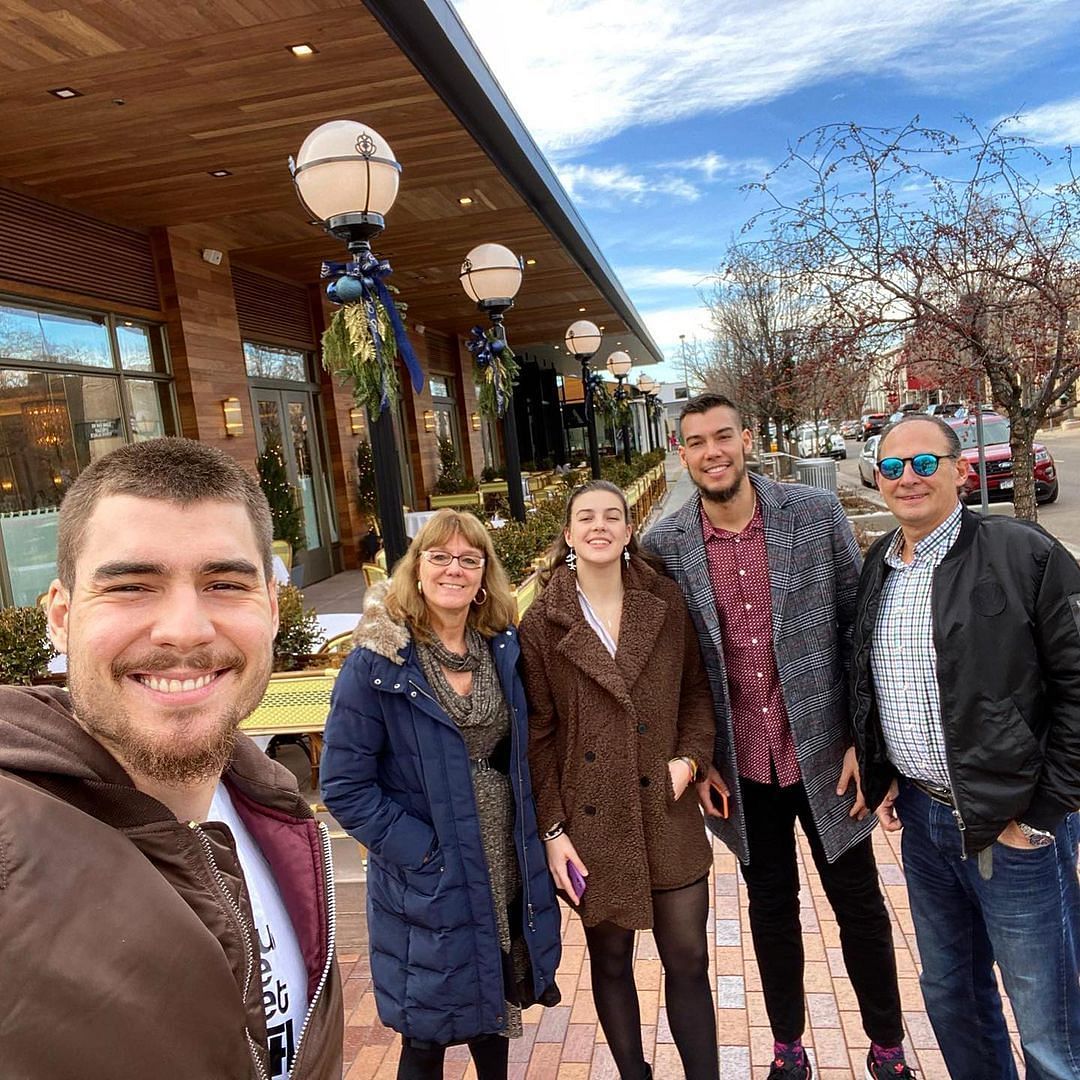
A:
(583, 338)
(346, 176)
(491, 277)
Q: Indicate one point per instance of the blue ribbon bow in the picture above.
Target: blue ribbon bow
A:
(370, 272)
(485, 352)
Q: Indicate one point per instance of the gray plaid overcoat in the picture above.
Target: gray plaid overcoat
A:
(814, 566)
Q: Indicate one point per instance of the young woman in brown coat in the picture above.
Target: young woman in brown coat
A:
(620, 726)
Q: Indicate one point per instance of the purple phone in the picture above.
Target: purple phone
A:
(577, 882)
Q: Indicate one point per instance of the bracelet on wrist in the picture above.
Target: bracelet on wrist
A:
(692, 765)
(556, 830)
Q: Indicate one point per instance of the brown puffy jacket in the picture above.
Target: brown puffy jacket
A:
(127, 950)
(602, 730)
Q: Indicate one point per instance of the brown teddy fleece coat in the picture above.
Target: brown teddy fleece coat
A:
(602, 730)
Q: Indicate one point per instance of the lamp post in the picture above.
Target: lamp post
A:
(582, 340)
(347, 177)
(619, 364)
(647, 385)
(685, 368)
(491, 277)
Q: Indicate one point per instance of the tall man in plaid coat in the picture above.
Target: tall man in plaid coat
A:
(769, 572)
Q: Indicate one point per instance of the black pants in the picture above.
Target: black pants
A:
(850, 883)
(489, 1053)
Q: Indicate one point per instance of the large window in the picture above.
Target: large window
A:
(73, 386)
(443, 402)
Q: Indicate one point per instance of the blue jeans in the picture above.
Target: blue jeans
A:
(1026, 917)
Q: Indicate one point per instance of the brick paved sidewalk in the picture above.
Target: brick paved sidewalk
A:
(565, 1043)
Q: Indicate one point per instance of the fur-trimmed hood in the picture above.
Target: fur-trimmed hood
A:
(377, 630)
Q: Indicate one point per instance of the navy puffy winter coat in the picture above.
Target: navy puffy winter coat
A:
(396, 775)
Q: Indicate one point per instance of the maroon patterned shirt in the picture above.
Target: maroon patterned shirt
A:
(739, 573)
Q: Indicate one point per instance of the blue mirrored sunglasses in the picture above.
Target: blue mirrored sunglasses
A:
(892, 468)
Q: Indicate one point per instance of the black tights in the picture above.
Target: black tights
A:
(679, 927)
(489, 1054)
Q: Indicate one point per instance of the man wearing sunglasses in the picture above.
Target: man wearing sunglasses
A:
(769, 572)
(966, 712)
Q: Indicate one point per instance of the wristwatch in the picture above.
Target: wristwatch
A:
(1035, 837)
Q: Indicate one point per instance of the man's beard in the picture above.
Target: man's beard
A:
(167, 757)
(725, 495)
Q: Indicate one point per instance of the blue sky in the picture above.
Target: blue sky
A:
(654, 118)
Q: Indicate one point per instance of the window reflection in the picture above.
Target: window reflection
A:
(275, 362)
(147, 405)
(51, 427)
(133, 345)
(50, 338)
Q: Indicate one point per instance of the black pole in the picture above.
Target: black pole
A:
(514, 494)
(590, 418)
(384, 454)
(384, 451)
(620, 393)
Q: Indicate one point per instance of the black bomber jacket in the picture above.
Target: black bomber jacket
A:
(1006, 619)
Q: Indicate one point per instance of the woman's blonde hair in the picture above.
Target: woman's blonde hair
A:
(406, 603)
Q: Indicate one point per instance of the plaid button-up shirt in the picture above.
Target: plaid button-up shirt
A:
(739, 573)
(903, 660)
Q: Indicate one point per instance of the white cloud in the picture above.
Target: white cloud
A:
(643, 278)
(1057, 123)
(608, 183)
(713, 166)
(579, 71)
(666, 324)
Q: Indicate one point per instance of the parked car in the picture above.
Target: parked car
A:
(999, 471)
(946, 409)
(868, 462)
(850, 428)
(828, 443)
(872, 423)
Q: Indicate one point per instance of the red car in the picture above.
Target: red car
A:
(999, 474)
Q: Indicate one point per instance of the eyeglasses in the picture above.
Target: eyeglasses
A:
(892, 468)
(444, 558)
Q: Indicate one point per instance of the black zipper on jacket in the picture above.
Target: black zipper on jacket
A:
(238, 919)
(960, 824)
(249, 954)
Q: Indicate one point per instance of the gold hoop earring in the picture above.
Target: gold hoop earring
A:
(476, 599)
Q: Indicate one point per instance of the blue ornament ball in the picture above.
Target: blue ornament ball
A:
(345, 290)
(497, 346)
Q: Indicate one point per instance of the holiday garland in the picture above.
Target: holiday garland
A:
(366, 334)
(497, 368)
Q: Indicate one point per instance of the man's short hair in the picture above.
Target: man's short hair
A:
(703, 403)
(952, 440)
(181, 471)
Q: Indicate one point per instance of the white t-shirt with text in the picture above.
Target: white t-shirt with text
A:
(282, 970)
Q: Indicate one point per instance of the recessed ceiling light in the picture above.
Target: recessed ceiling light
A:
(220, 173)
(302, 49)
(581, 309)
(601, 328)
(530, 262)
(465, 200)
(65, 92)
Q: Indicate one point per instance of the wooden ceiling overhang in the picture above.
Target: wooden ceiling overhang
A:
(171, 91)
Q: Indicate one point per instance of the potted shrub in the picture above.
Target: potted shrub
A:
(25, 649)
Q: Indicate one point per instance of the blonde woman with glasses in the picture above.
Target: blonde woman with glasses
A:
(425, 764)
